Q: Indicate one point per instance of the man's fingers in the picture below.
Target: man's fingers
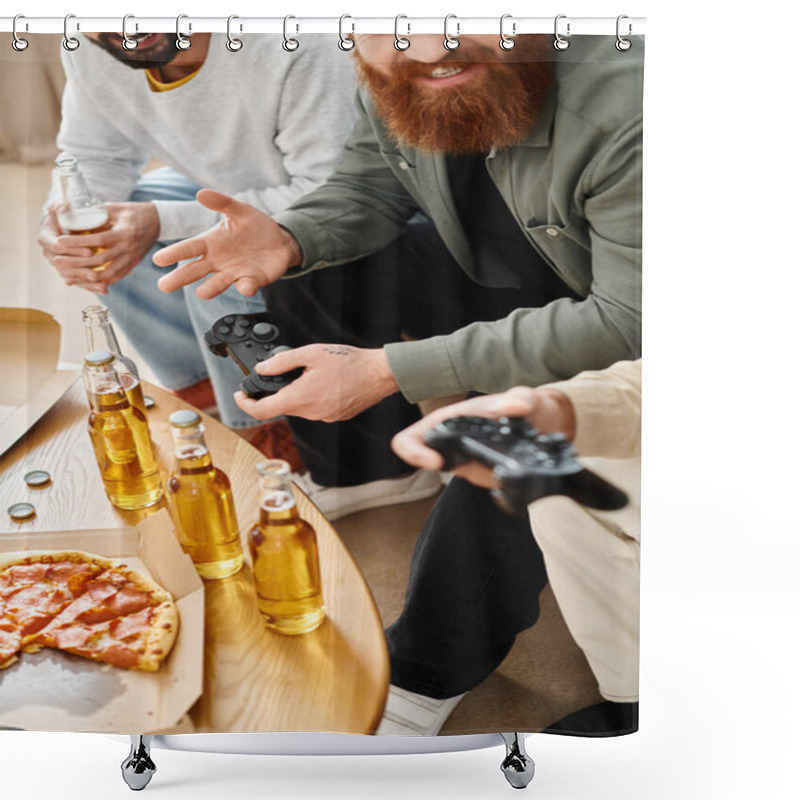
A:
(266, 408)
(95, 288)
(184, 275)
(247, 286)
(224, 203)
(409, 446)
(214, 286)
(180, 251)
(56, 252)
(284, 361)
(104, 239)
(477, 474)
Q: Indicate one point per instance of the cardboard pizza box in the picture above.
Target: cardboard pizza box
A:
(31, 379)
(56, 691)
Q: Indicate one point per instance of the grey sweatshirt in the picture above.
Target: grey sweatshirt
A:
(262, 124)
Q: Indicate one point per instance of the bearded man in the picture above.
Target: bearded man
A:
(527, 162)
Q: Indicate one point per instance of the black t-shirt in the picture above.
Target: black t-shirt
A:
(489, 224)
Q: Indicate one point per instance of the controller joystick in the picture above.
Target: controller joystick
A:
(527, 464)
(249, 339)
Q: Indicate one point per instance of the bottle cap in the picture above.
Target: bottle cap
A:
(21, 511)
(148, 401)
(185, 418)
(37, 478)
(98, 358)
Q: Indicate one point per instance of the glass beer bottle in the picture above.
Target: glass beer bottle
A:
(283, 548)
(201, 501)
(100, 335)
(120, 437)
(77, 211)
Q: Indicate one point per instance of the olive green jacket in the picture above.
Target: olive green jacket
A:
(574, 187)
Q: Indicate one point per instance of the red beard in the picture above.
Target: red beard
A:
(495, 108)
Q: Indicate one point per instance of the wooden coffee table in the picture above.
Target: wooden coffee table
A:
(333, 679)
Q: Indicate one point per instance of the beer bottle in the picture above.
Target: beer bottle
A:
(283, 548)
(100, 335)
(120, 437)
(77, 210)
(201, 501)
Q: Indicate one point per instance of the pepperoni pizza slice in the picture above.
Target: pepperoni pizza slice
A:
(84, 604)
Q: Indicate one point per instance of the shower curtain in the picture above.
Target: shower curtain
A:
(424, 226)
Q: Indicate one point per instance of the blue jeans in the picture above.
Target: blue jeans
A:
(167, 329)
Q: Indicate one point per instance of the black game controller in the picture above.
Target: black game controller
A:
(248, 339)
(528, 465)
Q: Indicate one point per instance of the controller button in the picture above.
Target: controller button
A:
(224, 330)
(263, 330)
(245, 323)
(228, 320)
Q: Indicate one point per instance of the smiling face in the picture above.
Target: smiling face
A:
(153, 50)
(468, 100)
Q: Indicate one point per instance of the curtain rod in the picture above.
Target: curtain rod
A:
(406, 25)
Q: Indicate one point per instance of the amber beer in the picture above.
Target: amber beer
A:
(285, 560)
(85, 221)
(120, 438)
(77, 211)
(201, 502)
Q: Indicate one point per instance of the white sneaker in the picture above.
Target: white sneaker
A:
(410, 714)
(339, 501)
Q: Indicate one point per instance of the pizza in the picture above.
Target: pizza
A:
(94, 607)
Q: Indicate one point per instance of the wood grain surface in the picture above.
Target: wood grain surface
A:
(333, 679)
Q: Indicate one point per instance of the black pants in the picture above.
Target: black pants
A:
(412, 287)
(476, 576)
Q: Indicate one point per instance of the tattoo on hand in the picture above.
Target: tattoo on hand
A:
(338, 350)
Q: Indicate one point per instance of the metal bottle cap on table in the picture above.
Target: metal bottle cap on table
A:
(21, 511)
(37, 478)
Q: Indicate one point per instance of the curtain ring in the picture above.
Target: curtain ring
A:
(451, 42)
(233, 44)
(18, 43)
(181, 42)
(400, 42)
(70, 43)
(560, 43)
(506, 42)
(289, 44)
(345, 42)
(128, 43)
(623, 44)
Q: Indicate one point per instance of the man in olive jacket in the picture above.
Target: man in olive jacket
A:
(527, 162)
(572, 184)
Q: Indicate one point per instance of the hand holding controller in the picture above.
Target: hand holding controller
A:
(249, 339)
(527, 464)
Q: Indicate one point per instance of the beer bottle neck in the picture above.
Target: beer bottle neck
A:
(75, 193)
(100, 335)
(104, 389)
(191, 451)
(276, 498)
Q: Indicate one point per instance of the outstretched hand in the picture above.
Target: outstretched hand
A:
(246, 249)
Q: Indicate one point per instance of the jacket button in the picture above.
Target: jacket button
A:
(403, 165)
(552, 232)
